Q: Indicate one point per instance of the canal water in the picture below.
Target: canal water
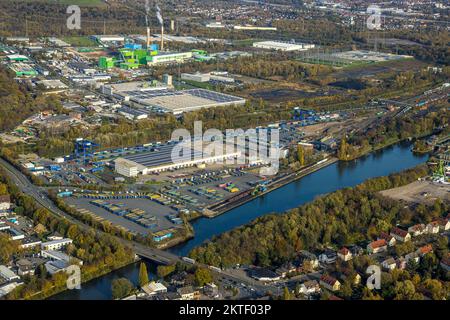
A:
(336, 176)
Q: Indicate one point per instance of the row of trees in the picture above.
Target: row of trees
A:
(392, 130)
(100, 252)
(344, 217)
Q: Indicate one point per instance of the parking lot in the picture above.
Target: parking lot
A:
(213, 186)
(144, 207)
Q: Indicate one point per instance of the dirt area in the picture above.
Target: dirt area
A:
(420, 192)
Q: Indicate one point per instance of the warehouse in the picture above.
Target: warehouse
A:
(282, 46)
(160, 159)
(160, 99)
(177, 102)
(132, 114)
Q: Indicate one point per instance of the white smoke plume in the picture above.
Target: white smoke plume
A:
(158, 15)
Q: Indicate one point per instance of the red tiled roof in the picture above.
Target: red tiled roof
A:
(399, 232)
(385, 236)
(418, 227)
(426, 249)
(344, 251)
(328, 279)
(378, 244)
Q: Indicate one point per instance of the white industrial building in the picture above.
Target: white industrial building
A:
(56, 244)
(197, 77)
(129, 168)
(7, 274)
(283, 46)
(161, 160)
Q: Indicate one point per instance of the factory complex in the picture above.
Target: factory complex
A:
(163, 99)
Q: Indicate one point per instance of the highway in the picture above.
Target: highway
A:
(156, 255)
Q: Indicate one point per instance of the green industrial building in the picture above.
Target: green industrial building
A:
(23, 70)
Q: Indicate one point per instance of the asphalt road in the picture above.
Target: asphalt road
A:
(42, 199)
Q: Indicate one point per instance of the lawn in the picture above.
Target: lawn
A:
(80, 41)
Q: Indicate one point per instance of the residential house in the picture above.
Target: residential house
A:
(353, 276)
(389, 264)
(344, 254)
(328, 256)
(444, 224)
(330, 283)
(211, 290)
(5, 203)
(310, 287)
(400, 234)
(433, 227)
(412, 256)
(401, 263)
(417, 229)
(308, 260)
(424, 250)
(391, 241)
(286, 269)
(356, 250)
(25, 267)
(377, 246)
(178, 279)
(153, 287)
(188, 293)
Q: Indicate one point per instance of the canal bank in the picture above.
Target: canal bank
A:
(331, 178)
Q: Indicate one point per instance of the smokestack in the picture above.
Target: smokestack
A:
(148, 37)
(162, 37)
(172, 25)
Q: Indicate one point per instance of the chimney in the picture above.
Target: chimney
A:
(162, 37)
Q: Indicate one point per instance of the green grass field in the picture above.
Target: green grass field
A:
(79, 41)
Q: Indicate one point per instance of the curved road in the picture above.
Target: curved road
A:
(41, 197)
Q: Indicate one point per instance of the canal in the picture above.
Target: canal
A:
(336, 176)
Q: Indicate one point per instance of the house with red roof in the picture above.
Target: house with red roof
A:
(344, 254)
(330, 283)
(377, 246)
(433, 227)
(424, 250)
(391, 241)
(400, 234)
(417, 229)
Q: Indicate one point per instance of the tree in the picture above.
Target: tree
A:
(143, 275)
(121, 288)
(343, 149)
(301, 155)
(202, 277)
(164, 271)
(286, 294)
